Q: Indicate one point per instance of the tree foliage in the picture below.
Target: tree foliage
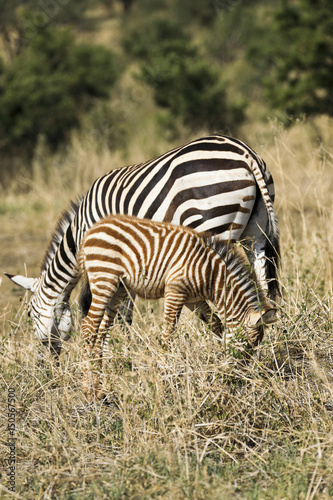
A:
(184, 81)
(45, 88)
(17, 29)
(204, 62)
(297, 57)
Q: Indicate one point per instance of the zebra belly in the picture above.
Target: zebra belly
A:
(148, 290)
(142, 288)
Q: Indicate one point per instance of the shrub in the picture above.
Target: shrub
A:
(183, 80)
(296, 55)
(47, 86)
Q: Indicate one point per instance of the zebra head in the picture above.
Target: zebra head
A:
(48, 307)
(51, 321)
(257, 320)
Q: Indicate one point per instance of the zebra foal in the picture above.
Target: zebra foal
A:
(154, 260)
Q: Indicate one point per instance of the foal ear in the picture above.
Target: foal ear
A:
(23, 281)
(265, 317)
(269, 316)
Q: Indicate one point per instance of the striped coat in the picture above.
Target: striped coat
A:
(214, 183)
(156, 260)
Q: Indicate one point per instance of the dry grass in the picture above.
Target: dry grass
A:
(179, 424)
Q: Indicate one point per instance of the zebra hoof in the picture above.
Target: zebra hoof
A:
(93, 391)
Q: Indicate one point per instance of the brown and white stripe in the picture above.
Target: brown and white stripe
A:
(156, 260)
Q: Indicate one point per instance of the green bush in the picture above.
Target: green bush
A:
(296, 56)
(183, 80)
(47, 86)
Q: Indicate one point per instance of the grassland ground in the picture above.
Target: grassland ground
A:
(179, 425)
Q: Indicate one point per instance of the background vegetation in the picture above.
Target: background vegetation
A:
(179, 426)
(202, 67)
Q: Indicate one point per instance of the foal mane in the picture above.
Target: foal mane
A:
(237, 262)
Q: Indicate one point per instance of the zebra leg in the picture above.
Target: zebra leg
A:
(206, 315)
(174, 300)
(110, 313)
(262, 249)
(125, 311)
(91, 333)
(255, 250)
(264, 258)
(51, 346)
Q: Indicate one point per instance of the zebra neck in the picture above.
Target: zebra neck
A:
(227, 294)
(61, 275)
(56, 291)
(217, 284)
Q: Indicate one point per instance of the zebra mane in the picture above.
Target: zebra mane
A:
(236, 262)
(62, 225)
(223, 249)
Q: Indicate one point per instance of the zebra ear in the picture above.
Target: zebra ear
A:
(266, 317)
(269, 316)
(23, 281)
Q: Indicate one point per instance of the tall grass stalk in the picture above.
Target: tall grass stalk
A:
(179, 425)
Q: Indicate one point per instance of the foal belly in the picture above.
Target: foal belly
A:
(145, 289)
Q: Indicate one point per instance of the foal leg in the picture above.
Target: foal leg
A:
(174, 299)
(206, 315)
(90, 330)
(125, 311)
(110, 313)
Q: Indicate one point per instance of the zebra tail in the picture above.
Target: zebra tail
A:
(85, 296)
(272, 250)
(273, 257)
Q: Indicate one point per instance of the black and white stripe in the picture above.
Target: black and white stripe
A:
(214, 184)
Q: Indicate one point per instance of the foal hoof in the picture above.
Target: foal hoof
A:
(94, 396)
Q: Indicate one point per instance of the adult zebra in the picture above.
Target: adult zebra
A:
(216, 184)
